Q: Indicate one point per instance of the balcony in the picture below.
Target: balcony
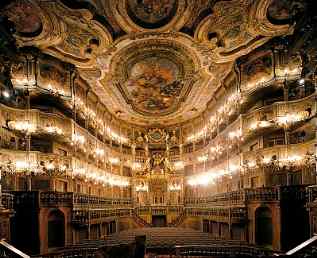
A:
(56, 126)
(276, 158)
(236, 198)
(256, 122)
(75, 201)
(38, 163)
(7, 200)
(64, 129)
(94, 216)
(242, 197)
(219, 214)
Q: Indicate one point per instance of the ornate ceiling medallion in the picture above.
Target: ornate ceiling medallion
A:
(154, 77)
(237, 27)
(156, 135)
(71, 35)
(145, 15)
(151, 14)
(26, 17)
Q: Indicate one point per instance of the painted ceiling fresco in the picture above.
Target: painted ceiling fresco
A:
(153, 84)
(27, 20)
(153, 61)
(151, 13)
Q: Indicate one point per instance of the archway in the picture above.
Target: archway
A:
(263, 226)
(56, 229)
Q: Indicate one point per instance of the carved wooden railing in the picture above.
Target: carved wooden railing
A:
(51, 164)
(236, 198)
(46, 123)
(56, 199)
(224, 214)
(7, 200)
(84, 200)
(84, 217)
(221, 250)
(278, 156)
(262, 118)
(233, 198)
(86, 252)
(178, 220)
(312, 193)
(261, 194)
(68, 199)
(141, 222)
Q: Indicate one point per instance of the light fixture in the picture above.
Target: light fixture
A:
(24, 126)
(136, 166)
(114, 160)
(301, 81)
(142, 188)
(202, 158)
(6, 94)
(178, 165)
(174, 187)
(99, 152)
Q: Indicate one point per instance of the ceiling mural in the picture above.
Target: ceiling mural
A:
(151, 14)
(25, 16)
(158, 76)
(153, 84)
(282, 11)
(154, 62)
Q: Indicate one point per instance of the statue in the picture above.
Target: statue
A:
(158, 159)
(157, 164)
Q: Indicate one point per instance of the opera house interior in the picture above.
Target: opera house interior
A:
(158, 128)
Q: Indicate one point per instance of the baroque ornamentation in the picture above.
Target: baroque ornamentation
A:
(172, 60)
(156, 77)
(146, 15)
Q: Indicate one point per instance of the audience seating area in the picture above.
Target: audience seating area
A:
(159, 237)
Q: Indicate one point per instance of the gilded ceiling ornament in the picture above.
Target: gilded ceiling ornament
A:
(237, 27)
(156, 135)
(259, 67)
(169, 64)
(155, 76)
(151, 15)
(71, 35)
(34, 25)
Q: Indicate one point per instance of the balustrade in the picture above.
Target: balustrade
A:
(66, 199)
(236, 198)
(224, 214)
(85, 216)
(263, 194)
(277, 157)
(273, 116)
(7, 200)
(312, 193)
(62, 128)
(83, 200)
(56, 199)
(87, 252)
(49, 163)
(38, 122)
(222, 250)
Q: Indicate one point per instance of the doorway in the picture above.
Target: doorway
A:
(263, 226)
(56, 229)
(159, 220)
